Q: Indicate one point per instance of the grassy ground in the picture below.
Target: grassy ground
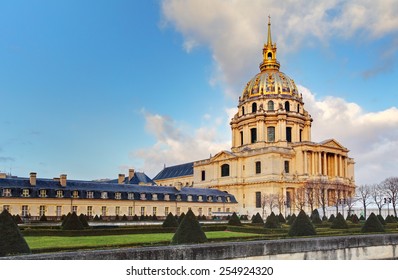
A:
(59, 243)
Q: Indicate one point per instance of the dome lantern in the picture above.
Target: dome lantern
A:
(269, 53)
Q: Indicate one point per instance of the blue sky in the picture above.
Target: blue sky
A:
(91, 88)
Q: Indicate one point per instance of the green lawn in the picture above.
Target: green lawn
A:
(56, 243)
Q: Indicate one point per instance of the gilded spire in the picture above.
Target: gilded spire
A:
(269, 40)
(269, 53)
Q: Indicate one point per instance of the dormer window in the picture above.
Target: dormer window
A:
(209, 198)
(118, 195)
(166, 197)
(25, 193)
(43, 193)
(75, 194)
(130, 196)
(6, 192)
(178, 197)
(228, 198)
(104, 195)
(219, 199)
(90, 194)
(143, 196)
(189, 198)
(60, 194)
(154, 196)
(200, 198)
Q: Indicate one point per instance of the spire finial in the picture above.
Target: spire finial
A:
(269, 41)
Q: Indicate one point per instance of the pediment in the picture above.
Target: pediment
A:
(223, 155)
(331, 143)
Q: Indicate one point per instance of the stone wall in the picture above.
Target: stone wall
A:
(378, 246)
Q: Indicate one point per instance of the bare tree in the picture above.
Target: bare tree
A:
(299, 198)
(363, 194)
(377, 192)
(319, 188)
(271, 200)
(263, 203)
(280, 202)
(391, 188)
(350, 201)
(310, 195)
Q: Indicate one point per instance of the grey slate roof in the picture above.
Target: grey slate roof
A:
(181, 170)
(18, 184)
(139, 177)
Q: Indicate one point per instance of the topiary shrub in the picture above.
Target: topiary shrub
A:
(339, 222)
(315, 218)
(154, 218)
(189, 231)
(83, 220)
(43, 218)
(73, 223)
(381, 219)
(65, 219)
(390, 219)
(142, 218)
(257, 219)
(204, 218)
(324, 219)
(354, 219)
(96, 218)
(291, 219)
(302, 226)
(117, 218)
(281, 219)
(17, 219)
(135, 218)
(234, 220)
(244, 218)
(331, 218)
(272, 221)
(362, 218)
(170, 221)
(181, 217)
(124, 218)
(372, 224)
(11, 240)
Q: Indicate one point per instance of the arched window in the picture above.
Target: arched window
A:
(271, 134)
(243, 111)
(298, 108)
(269, 55)
(270, 105)
(287, 106)
(289, 134)
(254, 107)
(224, 170)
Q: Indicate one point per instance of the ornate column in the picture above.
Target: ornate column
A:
(325, 164)
(335, 166)
(305, 162)
(312, 163)
(319, 163)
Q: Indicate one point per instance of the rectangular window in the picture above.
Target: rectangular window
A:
(142, 211)
(241, 137)
(60, 194)
(154, 196)
(253, 134)
(287, 169)
(25, 193)
(203, 175)
(200, 211)
(6, 192)
(258, 199)
(166, 197)
(143, 196)
(227, 210)
(43, 193)
(130, 211)
(178, 212)
(154, 211)
(42, 210)
(74, 209)
(103, 211)
(24, 211)
(89, 211)
(130, 196)
(166, 211)
(288, 134)
(271, 134)
(90, 194)
(6, 207)
(118, 195)
(58, 211)
(209, 211)
(219, 209)
(104, 195)
(117, 210)
(258, 167)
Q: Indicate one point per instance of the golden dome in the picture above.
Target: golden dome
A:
(270, 81)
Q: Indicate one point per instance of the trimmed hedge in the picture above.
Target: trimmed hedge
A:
(189, 231)
(381, 219)
(170, 222)
(11, 240)
(234, 220)
(315, 217)
(339, 222)
(372, 224)
(180, 218)
(302, 226)
(331, 218)
(257, 219)
(291, 219)
(73, 223)
(83, 220)
(281, 218)
(272, 221)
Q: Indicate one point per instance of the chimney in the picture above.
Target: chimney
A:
(3, 175)
(121, 179)
(62, 180)
(131, 173)
(32, 179)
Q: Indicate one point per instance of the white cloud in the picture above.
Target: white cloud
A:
(370, 136)
(234, 30)
(178, 143)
